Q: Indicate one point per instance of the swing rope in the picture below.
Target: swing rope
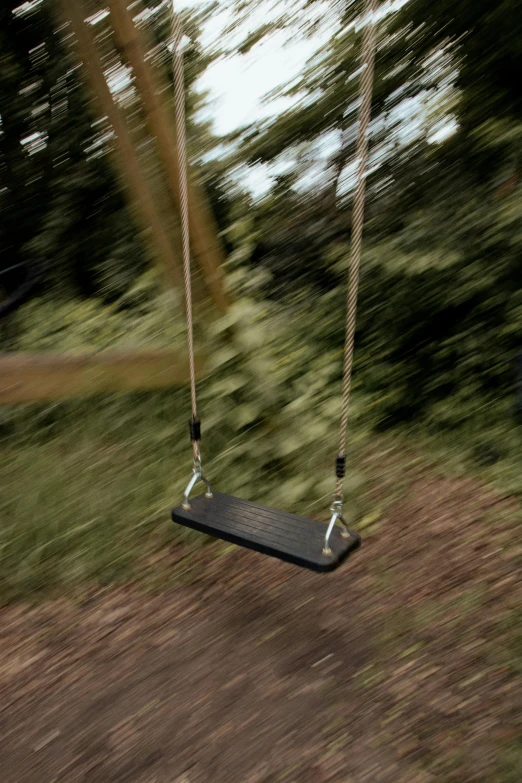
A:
(364, 115)
(179, 95)
(368, 59)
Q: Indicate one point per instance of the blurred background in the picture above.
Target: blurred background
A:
(94, 397)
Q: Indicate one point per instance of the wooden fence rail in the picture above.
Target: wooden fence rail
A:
(26, 377)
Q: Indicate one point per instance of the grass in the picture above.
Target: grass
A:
(85, 495)
(86, 489)
(487, 446)
(510, 765)
(72, 512)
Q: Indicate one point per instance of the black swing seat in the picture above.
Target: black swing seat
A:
(295, 539)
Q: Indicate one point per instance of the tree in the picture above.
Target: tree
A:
(440, 288)
(62, 209)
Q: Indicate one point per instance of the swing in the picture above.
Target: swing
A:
(304, 542)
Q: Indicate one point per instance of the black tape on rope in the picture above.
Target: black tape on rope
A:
(195, 429)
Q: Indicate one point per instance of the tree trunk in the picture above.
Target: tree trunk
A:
(128, 166)
(204, 238)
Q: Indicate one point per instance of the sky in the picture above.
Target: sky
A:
(238, 84)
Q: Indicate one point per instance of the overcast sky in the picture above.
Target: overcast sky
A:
(237, 84)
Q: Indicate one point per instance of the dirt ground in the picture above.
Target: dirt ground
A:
(396, 668)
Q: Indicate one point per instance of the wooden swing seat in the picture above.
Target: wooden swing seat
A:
(288, 537)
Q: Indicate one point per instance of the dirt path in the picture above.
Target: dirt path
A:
(393, 669)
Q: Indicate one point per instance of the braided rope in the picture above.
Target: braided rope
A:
(179, 95)
(368, 57)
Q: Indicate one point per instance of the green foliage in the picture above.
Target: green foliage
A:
(62, 210)
(269, 408)
(142, 317)
(510, 764)
(272, 407)
(440, 309)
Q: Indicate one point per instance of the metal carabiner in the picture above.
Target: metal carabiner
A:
(197, 474)
(336, 510)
